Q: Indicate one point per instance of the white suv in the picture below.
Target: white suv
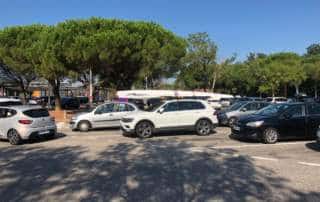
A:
(171, 115)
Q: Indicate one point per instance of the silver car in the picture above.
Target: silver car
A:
(103, 116)
(232, 113)
(18, 123)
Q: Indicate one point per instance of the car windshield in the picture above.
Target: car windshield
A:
(154, 107)
(236, 106)
(272, 109)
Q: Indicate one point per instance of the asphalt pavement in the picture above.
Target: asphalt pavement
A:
(103, 165)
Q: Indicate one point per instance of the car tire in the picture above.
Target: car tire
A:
(84, 126)
(270, 136)
(14, 137)
(144, 129)
(51, 136)
(203, 127)
(231, 121)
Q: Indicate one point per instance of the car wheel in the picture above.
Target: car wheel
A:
(270, 136)
(203, 127)
(14, 137)
(51, 136)
(232, 121)
(84, 126)
(144, 129)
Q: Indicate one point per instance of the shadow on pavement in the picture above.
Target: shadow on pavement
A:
(314, 146)
(150, 170)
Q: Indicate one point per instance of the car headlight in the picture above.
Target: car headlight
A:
(127, 120)
(74, 118)
(254, 124)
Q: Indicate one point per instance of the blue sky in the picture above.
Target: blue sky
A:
(237, 26)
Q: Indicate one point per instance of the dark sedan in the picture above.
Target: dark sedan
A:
(280, 121)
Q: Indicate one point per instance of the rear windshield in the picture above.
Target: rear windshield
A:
(36, 113)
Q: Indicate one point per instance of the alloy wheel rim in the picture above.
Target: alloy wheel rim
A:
(204, 127)
(271, 135)
(144, 130)
(13, 137)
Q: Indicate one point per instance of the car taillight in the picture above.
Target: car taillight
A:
(25, 121)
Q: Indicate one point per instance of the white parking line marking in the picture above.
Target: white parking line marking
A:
(309, 164)
(256, 145)
(264, 158)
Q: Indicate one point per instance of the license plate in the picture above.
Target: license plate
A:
(236, 128)
(44, 132)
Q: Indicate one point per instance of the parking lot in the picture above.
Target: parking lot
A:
(103, 165)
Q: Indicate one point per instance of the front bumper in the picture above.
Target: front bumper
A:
(127, 128)
(245, 132)
(222, 119)
(30, 133)
(73, 125)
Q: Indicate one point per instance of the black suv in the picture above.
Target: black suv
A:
(280, 121)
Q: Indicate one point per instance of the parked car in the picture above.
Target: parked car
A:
(225, 102)
(9, 101)
(277, 99)
(318, 136)
(18, 123)
(215, 104)
(231, 114)
(171, 115)
(242, 99)
(70, 103)
(103, 116)
(84, 102)
(280, 121)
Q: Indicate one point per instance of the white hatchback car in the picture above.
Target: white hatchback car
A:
(171, 115)
(23, 122)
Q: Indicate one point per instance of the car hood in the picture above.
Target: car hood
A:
(252, 118)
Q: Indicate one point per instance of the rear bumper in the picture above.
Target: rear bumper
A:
(29, 133)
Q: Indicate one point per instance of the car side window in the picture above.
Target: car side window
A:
(251, 106)
(314, 109)
(130, 108)
(262, 105)
(185, 106)
(120, 107)
(107, 108)
(295, 111)
(172, 106)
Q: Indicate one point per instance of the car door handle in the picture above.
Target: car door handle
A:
(110, 114)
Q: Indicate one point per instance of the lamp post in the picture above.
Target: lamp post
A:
(90, 87)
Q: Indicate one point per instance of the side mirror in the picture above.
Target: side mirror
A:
(243, 109)
(160, 111)
(286, 116)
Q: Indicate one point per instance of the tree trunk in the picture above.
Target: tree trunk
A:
(273, 92)
(315, 90)
(214, 81)
(56, 92)
(285, 90)
(297, 89)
